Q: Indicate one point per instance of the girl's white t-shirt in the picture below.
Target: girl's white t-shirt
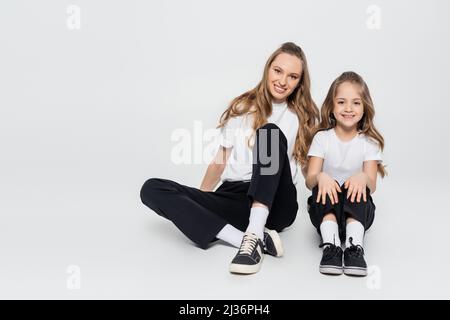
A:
(343, 159)
(238, 129)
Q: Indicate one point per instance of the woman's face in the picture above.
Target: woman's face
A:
(284, 76)
(348, 107)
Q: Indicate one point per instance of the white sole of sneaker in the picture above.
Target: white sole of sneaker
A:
(245, 269)
(355, 271)
(276, 241)
(330, 270)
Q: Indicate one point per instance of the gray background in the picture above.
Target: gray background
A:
(87, 116)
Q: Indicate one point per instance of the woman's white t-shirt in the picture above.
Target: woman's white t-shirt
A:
(238, 129)
(342, 159)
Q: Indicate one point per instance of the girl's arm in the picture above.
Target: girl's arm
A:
(327, 186)
(215, 169)
(370, 169)
(313, 170)
(356, 184)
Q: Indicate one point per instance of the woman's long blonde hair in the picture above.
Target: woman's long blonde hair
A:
(258, 101)
(365, 125)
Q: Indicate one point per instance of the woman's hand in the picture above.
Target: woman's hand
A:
(327, 186)
(356, 187)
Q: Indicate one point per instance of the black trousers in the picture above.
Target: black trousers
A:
(200, 215)
(364, 212)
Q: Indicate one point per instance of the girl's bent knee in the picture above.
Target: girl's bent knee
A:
(329, 217)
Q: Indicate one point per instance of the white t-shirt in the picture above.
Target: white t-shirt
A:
(343, 159)
(239, 129)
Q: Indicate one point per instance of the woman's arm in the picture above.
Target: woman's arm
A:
(215, 169)
(314, 168)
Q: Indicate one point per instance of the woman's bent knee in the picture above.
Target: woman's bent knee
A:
(148, 189)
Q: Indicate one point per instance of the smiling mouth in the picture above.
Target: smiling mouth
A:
(279, 89)
(348, 116)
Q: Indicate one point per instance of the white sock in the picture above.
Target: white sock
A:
(258, 218)
(355, 230)
(330, 232)
(231, 235)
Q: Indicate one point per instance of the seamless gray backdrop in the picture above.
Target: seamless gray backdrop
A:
(87, 116)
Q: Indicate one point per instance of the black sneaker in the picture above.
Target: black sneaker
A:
(331, 262)
(354, 263)
(250, 255)
(272, 243)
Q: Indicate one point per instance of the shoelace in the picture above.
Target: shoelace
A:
(330, 251)
(266, 235)
(357, 250)
(248, 244)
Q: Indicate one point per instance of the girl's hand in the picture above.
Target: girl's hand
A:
(356, 187)
(327, 186)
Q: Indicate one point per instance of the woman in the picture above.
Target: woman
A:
(265, 133)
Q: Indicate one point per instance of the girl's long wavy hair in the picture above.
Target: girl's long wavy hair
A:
(365, 125)
(258, 102)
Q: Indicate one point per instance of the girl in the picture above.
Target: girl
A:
(276, 118)
(344, 158)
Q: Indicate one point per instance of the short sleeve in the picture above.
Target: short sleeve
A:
(372, 151)
(318, 145)
(227, 137)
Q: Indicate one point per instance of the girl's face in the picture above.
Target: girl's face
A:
(348, 107)
(284, 76)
